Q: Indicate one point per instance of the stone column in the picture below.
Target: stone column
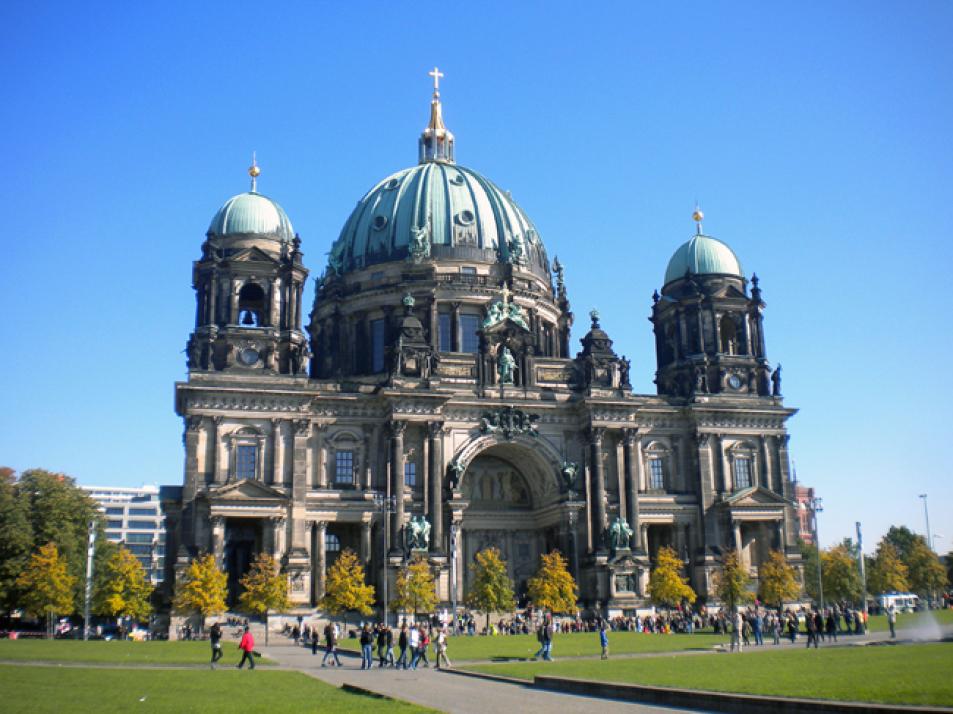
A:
(365, 543)
(644, 537)
(193, 426)
(322, 479)
(277, 536)
(397, 429)
(220, 464)
(296, 325)
(779, 535)
(276, 471)
(435, 441)
(736, 527)
(455, 342)
(320, 559)
(596, 436)
(218, 540)
(631, 483)
(765, 478)
(299, 478)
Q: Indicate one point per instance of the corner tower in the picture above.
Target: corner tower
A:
(709, 334)
(248, 285)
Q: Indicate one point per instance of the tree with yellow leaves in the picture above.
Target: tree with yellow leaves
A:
(266, 589)
(777, 580)
(203, 589)
(345, 589)
(46, 585)
(491, 589)
(553, 587)
(666, 584)
(123, 588)
(415, 588)
(732, 582)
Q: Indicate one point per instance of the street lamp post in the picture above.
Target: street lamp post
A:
(571, 504)
(926, 515)
(385, 505)
(453, 578)
(816, 508)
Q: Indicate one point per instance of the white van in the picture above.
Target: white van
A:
(903, 602)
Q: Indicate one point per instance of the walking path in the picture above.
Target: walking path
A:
(450, 693)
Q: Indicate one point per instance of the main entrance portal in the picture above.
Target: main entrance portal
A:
(242, 542)
(511, 509)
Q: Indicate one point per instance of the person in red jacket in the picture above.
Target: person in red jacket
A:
(247, 646)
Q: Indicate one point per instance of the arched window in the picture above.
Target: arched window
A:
(245, 445)
(332, 543)
(251, 305)
(729, 336)
(656, 466)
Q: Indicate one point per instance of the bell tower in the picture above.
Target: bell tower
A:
(248, 288)
(709, 334)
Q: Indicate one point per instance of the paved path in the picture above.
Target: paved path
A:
(454, 693)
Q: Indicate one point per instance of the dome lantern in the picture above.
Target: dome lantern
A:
(436, 141)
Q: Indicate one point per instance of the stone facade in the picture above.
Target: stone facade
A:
(442, 377)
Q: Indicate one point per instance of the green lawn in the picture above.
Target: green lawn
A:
(463, 648)
(115, 652)
(902, 674)
(57, 690)
(907, 621)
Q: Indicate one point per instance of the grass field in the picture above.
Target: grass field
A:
(903, 674)
(68, 689)
(913, 620)
(115, 652)
(463, 648)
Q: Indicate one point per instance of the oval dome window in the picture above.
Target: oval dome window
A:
(379, 222)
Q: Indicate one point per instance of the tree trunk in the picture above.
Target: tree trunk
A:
(266, 628)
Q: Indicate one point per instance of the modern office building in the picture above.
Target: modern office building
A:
(134, 518)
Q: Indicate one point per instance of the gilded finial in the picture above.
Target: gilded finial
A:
(254, 172)
(698, 216)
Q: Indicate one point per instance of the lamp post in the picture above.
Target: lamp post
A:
(385, 506)
(816, 508)
(453, 578)
(863, 567)
(926, 515)
(571, 504)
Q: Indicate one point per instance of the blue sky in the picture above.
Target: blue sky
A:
(815, 136)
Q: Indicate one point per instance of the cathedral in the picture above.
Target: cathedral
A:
(430, 403)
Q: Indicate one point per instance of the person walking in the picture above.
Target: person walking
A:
(811, 624)
(367, 647)
(819, 625)
(423, 642)
(758, 627)
(402, 644)
(331, 646)
(215, 637)
(247, 646)
(892, 621)
(414, 644)
(440, 646)
(548, 632)
(604, 639)
(381, 644)
(831, 626)
(737, 624)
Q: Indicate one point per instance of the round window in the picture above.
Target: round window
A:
(393, 183)
(456, 180)
(379, 222)
(465, 218)
(248, 356)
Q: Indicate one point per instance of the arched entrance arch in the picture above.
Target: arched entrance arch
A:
(514, 502)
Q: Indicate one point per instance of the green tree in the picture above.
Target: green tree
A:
(948, 558)
(266, 589)
(901, 538)
(415, 591)
(59, 512)
(777, 580)
(46, 586)
(491, 589)
(886, 572)
(345, 589)
(666, 585)
(553, 587)
(203, 588)
(16, 539)
(123, 589)
(841, 575)
(732, 582)
(926, 573)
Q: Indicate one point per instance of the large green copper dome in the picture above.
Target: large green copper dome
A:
(703, 255)
(251, 214)
(460, 212)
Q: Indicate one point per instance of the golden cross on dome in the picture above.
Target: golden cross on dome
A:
(436, 74)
